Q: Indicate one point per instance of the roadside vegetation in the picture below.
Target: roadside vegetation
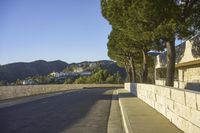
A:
(98, 76)
(140, 26)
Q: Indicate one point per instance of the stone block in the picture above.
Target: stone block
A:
(169, 104)
(198, 101)
(140, 92)
(7, 92)
(182, 123)
(195, 117)
(162, 91)
(149, 102)
(186, 113)
(177, 109)
(174, 119)
(191, 101)
(179, 122)
(178, 96)
(127, 86)
(169, 115)
(160, 108)
(182, 111)
(160, 99)
(158, 90)
(176, 84)
(192, 128)
(163, 110)
(151, 88)
(151, 95)
(166, 92)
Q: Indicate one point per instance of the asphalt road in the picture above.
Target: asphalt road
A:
(84, 111)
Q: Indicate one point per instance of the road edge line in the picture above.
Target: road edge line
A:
(125, 120)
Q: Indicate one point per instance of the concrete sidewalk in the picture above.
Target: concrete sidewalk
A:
(115, 120)
(138, 117)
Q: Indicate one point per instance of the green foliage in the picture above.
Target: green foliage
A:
(81, 80)
(68, 69)
(117, 78)
(150, 20)
(18, 82)
(120, 47)
(110, 79)
(100, 76)
(2, 83)
(41, 79)
(126, 46)
(150, 23)
(68, 81)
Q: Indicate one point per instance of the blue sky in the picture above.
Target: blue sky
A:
(68, 30)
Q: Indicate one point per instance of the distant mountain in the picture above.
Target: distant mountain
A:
(101, 62)
(111, 66)
(21, 70)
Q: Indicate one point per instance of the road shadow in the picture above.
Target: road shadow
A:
(193, 86)
(127, 95)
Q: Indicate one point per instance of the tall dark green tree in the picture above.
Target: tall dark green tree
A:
(150, 21)
(118, 14)
(165, 20)
(120, 50)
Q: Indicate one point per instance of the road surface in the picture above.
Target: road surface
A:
(83, 111)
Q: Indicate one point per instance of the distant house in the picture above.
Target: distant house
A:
(28, 82)
(92, 65)
(78, 70)
(63, 74)
(54, 74)
(187, 65)
(87, 73)
(58, 74)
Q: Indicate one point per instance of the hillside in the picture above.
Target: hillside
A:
(21, 70)
(14, 71)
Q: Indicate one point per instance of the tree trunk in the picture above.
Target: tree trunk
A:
(132, 70)
(128, 73)
(133, 75)
(171, 55)
(145, 67)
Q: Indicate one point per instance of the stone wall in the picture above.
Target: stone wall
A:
(181, 85)
(190, 74)
(7, 92)
(181, 107)
(177, 84)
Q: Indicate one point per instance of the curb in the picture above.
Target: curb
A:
(109, 130)
(125, 120)
(114, 126)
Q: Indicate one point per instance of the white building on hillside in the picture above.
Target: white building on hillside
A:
(87, 73)
(28, 82)
(78, 70)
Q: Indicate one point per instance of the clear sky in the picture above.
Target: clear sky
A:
(68, 30)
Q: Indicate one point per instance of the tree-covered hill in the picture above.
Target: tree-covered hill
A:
(11, 72)
(21, 70)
